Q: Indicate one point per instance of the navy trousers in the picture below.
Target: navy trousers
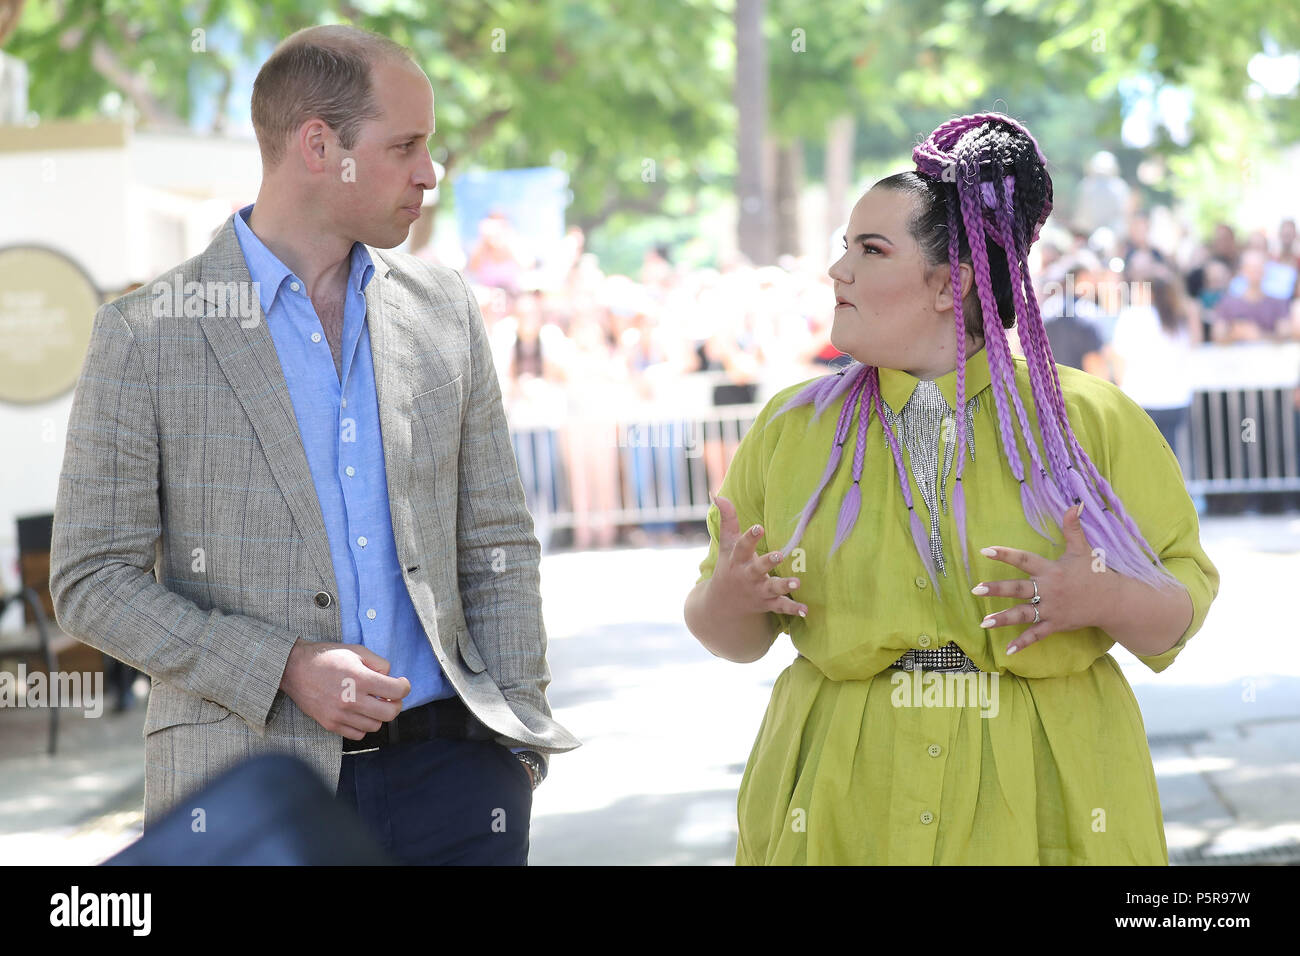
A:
(442, 802)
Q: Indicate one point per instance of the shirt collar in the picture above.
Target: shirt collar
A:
(266, 269)
(896, 386)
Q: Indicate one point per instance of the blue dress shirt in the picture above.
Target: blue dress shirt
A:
(339, 423)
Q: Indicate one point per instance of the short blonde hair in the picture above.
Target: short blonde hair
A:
(320, 72)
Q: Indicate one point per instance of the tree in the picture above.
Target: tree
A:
(626, 97)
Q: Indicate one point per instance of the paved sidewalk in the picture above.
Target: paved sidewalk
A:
(667, 727)
(81, 805)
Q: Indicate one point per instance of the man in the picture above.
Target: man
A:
(322, 484)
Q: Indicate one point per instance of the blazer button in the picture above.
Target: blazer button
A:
(323, 599)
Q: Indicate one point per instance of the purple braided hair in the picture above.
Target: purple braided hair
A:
(959, 151)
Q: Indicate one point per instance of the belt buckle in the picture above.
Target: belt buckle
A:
(381, 733)
(910, 660)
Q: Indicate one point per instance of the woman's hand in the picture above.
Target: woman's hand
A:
(741, 582)
(1071, 590)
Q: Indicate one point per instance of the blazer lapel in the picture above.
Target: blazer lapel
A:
(249, 360)
(392, 350)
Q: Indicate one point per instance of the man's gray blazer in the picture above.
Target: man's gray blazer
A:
(188, 539)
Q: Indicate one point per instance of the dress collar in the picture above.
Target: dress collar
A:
(896, 386)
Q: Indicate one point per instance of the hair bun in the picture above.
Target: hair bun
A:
(971, 151)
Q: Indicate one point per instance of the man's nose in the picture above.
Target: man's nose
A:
(428, 175)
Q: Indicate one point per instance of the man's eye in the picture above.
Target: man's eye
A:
(406, 146)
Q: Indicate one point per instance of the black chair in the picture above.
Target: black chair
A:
(40, 638)
(34, 640)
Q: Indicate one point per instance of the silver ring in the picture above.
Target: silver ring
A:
(1035, 615)
(1036, 597)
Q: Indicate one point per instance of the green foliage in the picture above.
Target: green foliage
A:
(634, 100)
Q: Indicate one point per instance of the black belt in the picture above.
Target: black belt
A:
(448, 718)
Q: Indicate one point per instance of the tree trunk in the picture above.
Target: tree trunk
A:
(787, 189)
(753, 214)
(839, 177)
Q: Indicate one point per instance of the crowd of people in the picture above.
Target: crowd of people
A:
(579, 351)
(1131, 311)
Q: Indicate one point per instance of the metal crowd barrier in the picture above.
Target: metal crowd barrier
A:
(1245, 429)
(1244, 436)
(666, 466)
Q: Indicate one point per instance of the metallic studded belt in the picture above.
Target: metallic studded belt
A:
(950, 657)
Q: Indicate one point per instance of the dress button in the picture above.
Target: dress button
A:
(934, 750)
(323, 599)
(919, 580)
(362, 541)
(927, 817)
(350, 470)
(924, 640)
(315, 336)
(371, 614)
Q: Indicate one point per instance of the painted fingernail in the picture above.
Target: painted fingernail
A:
(987, 622)
(1011, 649)
(803, 612)
(793, 583)
(980, 589)
(988, 552)
(776, 557)
(756, 531)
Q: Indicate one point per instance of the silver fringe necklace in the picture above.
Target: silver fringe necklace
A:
(919, 426)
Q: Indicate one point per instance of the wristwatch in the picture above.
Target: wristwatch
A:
(534, 762)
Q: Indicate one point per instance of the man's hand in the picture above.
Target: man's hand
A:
(343, 687)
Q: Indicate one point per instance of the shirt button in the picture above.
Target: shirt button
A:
(294, 286)
(919, 580)
(315, 336)
(362, 541)
(924, 640)
(371, 614)
(351, 471)
(323, 599)
(345, 403)
(927, 817)
(934, 750)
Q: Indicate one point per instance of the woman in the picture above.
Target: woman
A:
(533, 391)
(1152, 348)
(595, 379)
(852, 763)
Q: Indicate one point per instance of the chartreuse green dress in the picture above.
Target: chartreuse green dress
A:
(1043, 758)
